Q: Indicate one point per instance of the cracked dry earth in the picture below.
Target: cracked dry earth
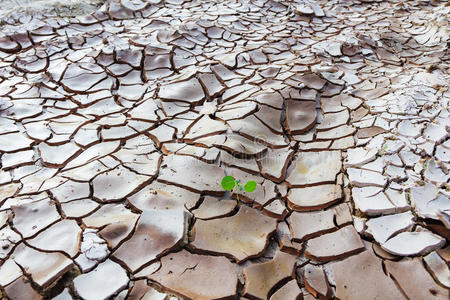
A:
(117, 127)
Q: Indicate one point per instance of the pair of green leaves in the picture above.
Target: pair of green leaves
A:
(229, 183)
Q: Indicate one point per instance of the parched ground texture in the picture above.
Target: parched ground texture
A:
(117, 127)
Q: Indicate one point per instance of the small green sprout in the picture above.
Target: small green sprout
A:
(231, 184)
(425, 165)
(250, 186)
(383, 151)
(228, 183)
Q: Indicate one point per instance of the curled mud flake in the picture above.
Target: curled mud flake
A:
(44, 268)
(186, 91)
(311, 168)
(316, 281)
(300, 116)
(116, 184)
(290, 290)
(64, 236)
(87, 285)
(383, 228)
(258, 282)
(314, 197)
(438, 268)
(192, 275)
(33, 217)
(148, 231)
(425, 287)
(413, 243)
(21, 289)
(242, 236)
(326, 247)
(212, 208)
(361, 266)
(13, 142)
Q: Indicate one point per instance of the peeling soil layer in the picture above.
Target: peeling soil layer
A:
(118, 123)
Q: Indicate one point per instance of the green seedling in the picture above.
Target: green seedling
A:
(229, 183)
(383, 151)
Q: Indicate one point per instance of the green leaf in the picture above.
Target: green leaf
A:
(228, 183)
(250, 186)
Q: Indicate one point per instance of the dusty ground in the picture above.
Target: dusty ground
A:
(46, 8)
(117, 127)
